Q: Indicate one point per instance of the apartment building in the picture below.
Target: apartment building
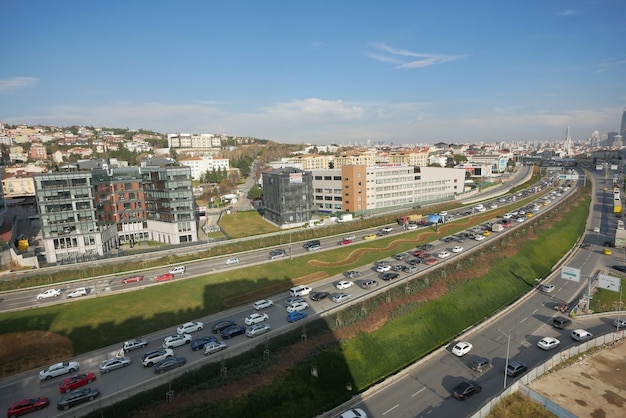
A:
(186, 140)
(200, 165)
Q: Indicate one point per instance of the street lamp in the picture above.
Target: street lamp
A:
(508, 346)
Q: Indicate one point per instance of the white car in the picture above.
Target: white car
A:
(581, 335)
(188, 327)
(50, 293)
(479, 237)
(262, 304)
(114, 363)
(547, 288)
(548, 343)
(506, 216)
(354, 413)
(520, 220)
(233, 260)
(297, 306)
(214, 347)
(58, 369)
(134, 344)
(344, 284)
(457, 249)
(341, 297)
(81, 291)
(386, 230)
(153, 357)
(596, 229)
(176, 340)
(257, 329)
(411, 226)
(462, 348)
(384, 268)
(443, 254)
(255, 318)
(349, 238)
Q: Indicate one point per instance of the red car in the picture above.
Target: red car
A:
(27, 405)
(417, 253)
(165, 277)
(76, 381)
(132, 279)
(345, 242)
(431, 261)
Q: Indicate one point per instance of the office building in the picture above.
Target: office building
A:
(287, 196)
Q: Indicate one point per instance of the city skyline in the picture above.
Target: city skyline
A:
(331, 72)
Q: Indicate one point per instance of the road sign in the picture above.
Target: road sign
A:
(570, 273)
(609, 282)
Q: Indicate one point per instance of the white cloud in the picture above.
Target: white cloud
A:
(609, 64)
(568, 12)
(15, 83)
(403, 58)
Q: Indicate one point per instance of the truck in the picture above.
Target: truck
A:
(409, 219)
(496, 227)
(346, 217)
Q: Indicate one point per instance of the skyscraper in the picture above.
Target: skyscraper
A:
(622, 129)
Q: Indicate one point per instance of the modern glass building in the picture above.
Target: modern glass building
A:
(288, 196)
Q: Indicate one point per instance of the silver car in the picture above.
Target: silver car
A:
(114, 363)
(134, 344)
(214, 347)
(257, 329)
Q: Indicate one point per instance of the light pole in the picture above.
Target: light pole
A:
(508, 346)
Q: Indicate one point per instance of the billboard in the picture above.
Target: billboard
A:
(433, 218)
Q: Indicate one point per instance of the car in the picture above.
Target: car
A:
(350, 237)
(457, 249)
(188, 327)
(50, 293)
(607, 251)
(76, 397)
(561, 322)
(352, 274)
(314, 248)
(214, 347)
(132, 279)
(74, 382)
(296, 316)
(370, 237)
(383, 263)
(368, 284)
(177, 270)
(255, 318)
(547, 288)
(315, 296)
(461, 348)
(410, 268)
(431, 261)
(386, 230)
(274, 254)
(233, 331)
(465, 389)
(448, 239)
(619, 268)
(200, 342)
(58, 369)
(443, 254)
(353, 413)
(262, 304)
(78, 292)
(134, 344)
(390, 276)
(232, 260)
(411, 226)
(345, 242)
(177, 340)
(397, 267)
(151, 358)
(343, 284)
(515, 368)
(293, 299)
(581, 335)
(548, 343)
(114, 363)
(480, 364)
(400, 256)
(164, 277)
(414, 262)
(596, 229)
(299, 291)
(383, 268)
(427, 247)
(297, 306)
(486, 233)
(424, 255)
(340, 297)
(418, 253)
(27, 405)
(169, 364)
(222, 325)
(257, 329)
(479, 237)
(619, 323)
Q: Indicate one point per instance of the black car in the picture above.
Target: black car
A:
(76, 397)
(318, 295)
(233, 331)
(169, 364)
(515, 368)
(397, 267)
(448, 239)
(199, 343)
(415, 261)
(464, 390)
(294, 299)
(222, 325)
(428, 247)
(390, 276)
(619, 268)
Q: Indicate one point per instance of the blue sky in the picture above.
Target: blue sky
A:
(402, 72)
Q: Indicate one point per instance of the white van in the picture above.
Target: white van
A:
(299, 291)
(178, 270)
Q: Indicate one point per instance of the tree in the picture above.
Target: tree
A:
(255, 192)
(459, 159)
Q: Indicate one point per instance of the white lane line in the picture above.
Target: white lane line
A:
(418, 392)
(523, 320)
(389, 410)
(535, 310)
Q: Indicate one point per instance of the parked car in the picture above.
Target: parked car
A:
(26, 406)
(548, 343)
(58, 369)
(199, 343)
(431, 261)
(134, 344)
(113, 364)
(343, 284)
(368, 284)
(153, 357)
(410, 268)
(581, 335)
(74, 382)
(262, 304)
(515, 368)
(400, 256)
(390, 276)
(169, 364)
(619, 268)
(480, 364)
(353, 413)
(383, 268)
(50, 293)
(76, 397)
(352, 274)
(443, 254)
(177, 340)
(214, 347)
(465, 389)
(461, 348)
(78, 292)
(340, 297)
(188, 327)
(255, 318)
(222, 325)
(233, 331)
(296, 316)
(132, 279)
(164, 277)
(316, 296)
(232, 260)
(257, 329)
(297, 306)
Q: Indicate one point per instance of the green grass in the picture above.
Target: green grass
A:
(607, 300)
(246, 224)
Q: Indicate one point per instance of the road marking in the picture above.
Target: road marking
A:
(419, 391)
(389, 410)
(535, 310)
(523, 320)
